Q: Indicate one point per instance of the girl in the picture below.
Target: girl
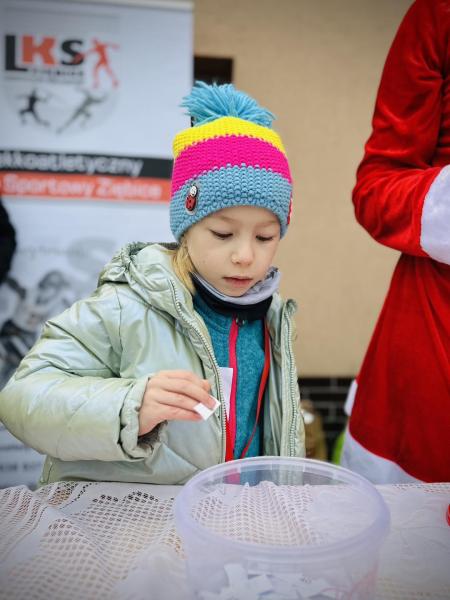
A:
(112, 389)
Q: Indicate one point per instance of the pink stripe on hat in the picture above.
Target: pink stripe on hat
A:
(225, 151)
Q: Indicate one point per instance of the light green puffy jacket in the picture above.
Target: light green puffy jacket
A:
(76, 395)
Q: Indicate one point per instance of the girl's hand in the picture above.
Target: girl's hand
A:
(172, 395)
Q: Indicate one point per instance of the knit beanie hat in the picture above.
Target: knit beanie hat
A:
(229, 157)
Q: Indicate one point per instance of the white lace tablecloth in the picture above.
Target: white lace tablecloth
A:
(70, 541)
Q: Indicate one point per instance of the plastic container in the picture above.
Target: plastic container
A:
(279, 528)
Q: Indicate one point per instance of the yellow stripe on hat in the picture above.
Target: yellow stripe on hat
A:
(222, 127)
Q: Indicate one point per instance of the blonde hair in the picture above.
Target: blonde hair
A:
(182, 264)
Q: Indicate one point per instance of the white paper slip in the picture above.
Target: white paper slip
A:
(226, 376)
(204, 411)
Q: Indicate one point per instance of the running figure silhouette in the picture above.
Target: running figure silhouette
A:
(81, 111)
(32, 99)
(100, 49)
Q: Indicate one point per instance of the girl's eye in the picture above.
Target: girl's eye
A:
(221, 236)
(262, 238)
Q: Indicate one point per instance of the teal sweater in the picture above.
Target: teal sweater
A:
(250, 360)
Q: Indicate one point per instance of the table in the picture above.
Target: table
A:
(86, 540)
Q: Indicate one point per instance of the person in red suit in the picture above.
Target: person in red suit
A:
(399, 426)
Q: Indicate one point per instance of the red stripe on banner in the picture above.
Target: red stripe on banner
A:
(84, 187)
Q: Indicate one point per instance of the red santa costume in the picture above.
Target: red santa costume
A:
(399, 428)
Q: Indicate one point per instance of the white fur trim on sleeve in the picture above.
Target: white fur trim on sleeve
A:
(350, 400)
(435, 234)
(375, 468)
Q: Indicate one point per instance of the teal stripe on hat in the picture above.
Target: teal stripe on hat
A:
(227, 187)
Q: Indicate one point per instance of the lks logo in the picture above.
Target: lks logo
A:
(26, 53)
(61, 84)
(49, 59)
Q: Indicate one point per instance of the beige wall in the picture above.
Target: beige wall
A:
(316, 64)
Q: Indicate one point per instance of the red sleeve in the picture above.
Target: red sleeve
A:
(396, 171)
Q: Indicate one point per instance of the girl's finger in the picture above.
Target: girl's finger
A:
(189, 389)
(188, 375)
(174, 400)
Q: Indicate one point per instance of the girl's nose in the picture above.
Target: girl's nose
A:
(242, 255)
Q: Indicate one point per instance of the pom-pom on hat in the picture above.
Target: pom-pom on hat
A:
(229, 157)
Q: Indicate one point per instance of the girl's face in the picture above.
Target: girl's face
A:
(233, 248)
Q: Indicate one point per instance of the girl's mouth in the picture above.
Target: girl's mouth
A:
(238, 281)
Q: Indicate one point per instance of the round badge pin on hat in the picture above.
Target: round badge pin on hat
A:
(191, 199)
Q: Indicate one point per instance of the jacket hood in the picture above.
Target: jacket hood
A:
(147, 269)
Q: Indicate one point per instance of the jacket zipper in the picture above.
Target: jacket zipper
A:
(193, 326)
(291, 387)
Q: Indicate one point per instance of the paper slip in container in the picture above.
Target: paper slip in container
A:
(204, 411)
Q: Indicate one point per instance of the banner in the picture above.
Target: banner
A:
(89, 105)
